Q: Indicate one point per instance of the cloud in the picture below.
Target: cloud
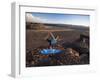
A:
(31, 18)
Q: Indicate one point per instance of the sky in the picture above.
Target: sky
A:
(54, 18)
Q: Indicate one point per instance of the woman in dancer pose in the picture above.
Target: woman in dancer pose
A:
(52, 40)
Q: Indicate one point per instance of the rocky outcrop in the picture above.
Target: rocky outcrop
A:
(68, 57)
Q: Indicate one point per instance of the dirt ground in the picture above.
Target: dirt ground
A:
(75, 51)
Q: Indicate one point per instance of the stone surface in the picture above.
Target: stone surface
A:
(68, 57)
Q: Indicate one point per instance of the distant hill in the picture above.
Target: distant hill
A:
(47, 26)
(35, 26)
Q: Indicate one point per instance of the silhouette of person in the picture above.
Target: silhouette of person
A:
(52, 40)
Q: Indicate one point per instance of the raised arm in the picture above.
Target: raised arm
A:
(48, 35)
(52, 35)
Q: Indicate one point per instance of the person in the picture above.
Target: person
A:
(52, 40)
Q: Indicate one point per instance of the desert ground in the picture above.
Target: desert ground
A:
(74, 42)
